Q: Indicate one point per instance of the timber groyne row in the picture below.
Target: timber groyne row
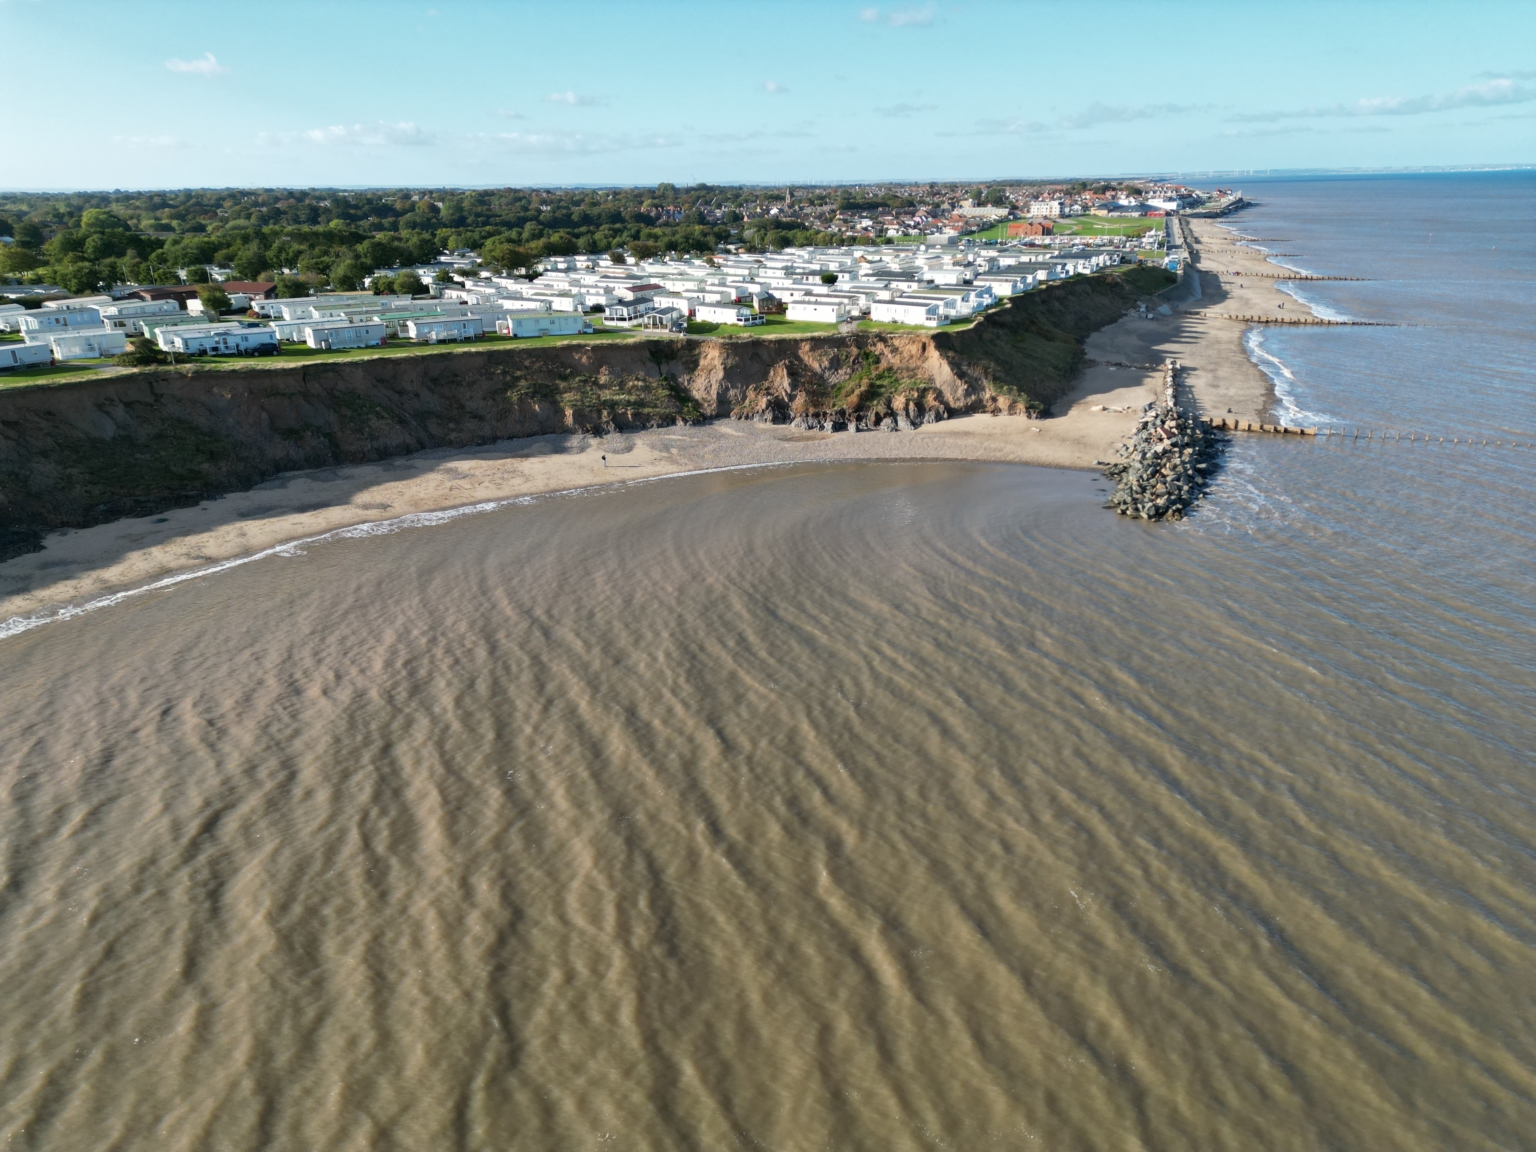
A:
(1168, 461)
(1366, 435)
(1294, 321)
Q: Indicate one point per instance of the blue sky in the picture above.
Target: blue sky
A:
(174, 93)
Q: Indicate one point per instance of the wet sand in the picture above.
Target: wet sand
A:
(77, 565)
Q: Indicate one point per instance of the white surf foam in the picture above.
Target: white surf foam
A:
(1283, 380)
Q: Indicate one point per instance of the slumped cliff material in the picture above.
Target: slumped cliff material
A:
(72, 455)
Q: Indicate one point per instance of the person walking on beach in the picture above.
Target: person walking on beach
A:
(605, 459)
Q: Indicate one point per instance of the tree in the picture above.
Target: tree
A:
(290, 288)
(407, 283)
(101, 220)
(18, 258)
(510, 255)
(215, 300)
(829, 277)
(197, 274)
(383, 285)
(141, 353)
(642, 250)
(617, 257)
(251, 261)
(443, 277)
(347, 276)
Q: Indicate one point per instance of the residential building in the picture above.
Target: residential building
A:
(445, 329)
(1050, 208)
(228, 338)
(24, 356)
(338, 334)
(818, 311)
(905, 310)
(42, 323)
(91, 344)
(523, 324)
(129, 315)
(738, 314)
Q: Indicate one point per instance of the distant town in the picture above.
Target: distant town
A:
(141, 278)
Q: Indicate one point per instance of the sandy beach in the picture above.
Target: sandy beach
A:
(1125, 358)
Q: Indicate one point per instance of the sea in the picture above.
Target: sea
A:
(870, 806)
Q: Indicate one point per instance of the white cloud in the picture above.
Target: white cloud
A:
(570, 98)
(369, 135)
(1489, 94)
(774, 87)
(1097, 113)
(508, 114)
(572, 143)
(151, 141)
(207, 66)
(898, 111)
(911, 17)
(908, 17)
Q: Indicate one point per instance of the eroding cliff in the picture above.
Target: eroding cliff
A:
(77, 454)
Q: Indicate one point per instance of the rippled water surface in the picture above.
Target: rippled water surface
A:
(857, 807)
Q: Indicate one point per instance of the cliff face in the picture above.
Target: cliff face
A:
(72, 455)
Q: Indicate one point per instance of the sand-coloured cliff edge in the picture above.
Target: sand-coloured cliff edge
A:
(77, 454)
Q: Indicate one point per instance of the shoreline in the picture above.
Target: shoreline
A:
(79, 566)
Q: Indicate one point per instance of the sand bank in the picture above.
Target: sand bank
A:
(76, 565)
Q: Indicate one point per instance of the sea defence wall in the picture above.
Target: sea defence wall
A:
(131, 444)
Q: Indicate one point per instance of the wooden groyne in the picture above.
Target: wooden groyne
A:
(1365, 435)
(1290, 275)
(1295, 321)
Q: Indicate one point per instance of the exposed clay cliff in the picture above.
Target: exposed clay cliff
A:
(77, 454)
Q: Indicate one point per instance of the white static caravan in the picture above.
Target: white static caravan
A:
(819, 311)
(524, 324)
(88, 345)
(902, 310)
(40, 324)
(338, 334)
(227, 339)
(129, 315)
(25, 356)
(726, 314)
(10, 317)
(445, 329)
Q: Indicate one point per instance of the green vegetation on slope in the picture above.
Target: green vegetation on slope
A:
(1032, 349)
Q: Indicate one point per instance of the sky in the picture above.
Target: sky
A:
(289, 93)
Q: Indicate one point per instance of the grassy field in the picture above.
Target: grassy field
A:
(1104, 226)
(291, 353)
(772, 326)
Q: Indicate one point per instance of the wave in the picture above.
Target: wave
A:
(1321, 310)
(16, 625)
(1283, 380)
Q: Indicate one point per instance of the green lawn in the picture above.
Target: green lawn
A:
(772, 326)
(1104, 226)
(12, 338)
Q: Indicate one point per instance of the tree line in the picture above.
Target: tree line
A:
(314, 238)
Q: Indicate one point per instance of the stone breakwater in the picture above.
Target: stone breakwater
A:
(1168, 461)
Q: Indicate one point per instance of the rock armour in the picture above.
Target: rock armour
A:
(1168, 461)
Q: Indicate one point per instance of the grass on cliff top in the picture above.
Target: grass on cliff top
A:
(772, 326)
(54, 373)
(1148, 279)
